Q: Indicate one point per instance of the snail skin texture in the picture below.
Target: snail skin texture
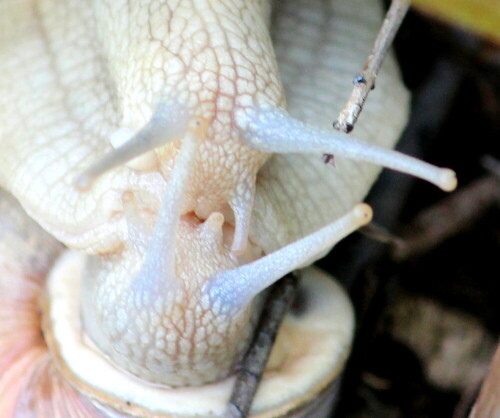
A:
(160, 141)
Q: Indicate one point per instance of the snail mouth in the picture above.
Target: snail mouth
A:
(298, 372)
(217, 223)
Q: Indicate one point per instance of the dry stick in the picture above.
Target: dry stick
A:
(380, 234)
(448, 217)
(451, 215)
(252, 366)
(365, 81)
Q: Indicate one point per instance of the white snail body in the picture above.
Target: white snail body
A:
(143, 134)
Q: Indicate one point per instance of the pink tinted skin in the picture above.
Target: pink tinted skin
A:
(29, 384)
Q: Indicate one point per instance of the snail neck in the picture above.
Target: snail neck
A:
(162, 337)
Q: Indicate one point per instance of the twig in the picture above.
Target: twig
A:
(380, 234)
(448, 217)
(253, 365)
(365, 81)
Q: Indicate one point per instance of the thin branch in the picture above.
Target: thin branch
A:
(380, 234)
(448, 217)
(254, 363)
(365, 81)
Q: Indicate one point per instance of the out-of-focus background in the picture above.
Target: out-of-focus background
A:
(427, 298)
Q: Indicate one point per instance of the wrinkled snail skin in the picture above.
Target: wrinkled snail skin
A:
(208, 57)
(79, 80)
(133, 133)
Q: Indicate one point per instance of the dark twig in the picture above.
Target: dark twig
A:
(380, 234)
(253, 365)
(448, 217)
(365, 81)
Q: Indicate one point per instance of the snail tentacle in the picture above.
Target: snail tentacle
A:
(232, 290)
(167, 124)
(158, 269)
(274, 131)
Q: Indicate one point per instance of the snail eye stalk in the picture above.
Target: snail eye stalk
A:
(274, 131)
(158, 269)
(167, 124)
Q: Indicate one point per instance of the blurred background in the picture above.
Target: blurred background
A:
(424, 280)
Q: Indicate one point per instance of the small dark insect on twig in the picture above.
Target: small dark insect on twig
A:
(252, 366)
(365, 80)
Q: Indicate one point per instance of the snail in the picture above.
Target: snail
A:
(154, 140)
